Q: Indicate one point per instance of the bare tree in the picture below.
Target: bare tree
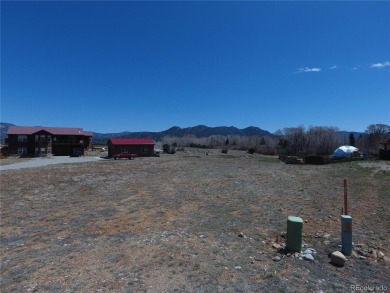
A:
(317, 140)
(293, 139)
(321, 140)
(375, 134)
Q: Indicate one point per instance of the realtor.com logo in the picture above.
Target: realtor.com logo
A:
(369, 288)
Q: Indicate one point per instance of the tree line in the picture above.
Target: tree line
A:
(315, 140)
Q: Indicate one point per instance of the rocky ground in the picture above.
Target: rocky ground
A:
(191, 222)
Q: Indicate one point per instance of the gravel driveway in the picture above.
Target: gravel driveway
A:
(40, 162)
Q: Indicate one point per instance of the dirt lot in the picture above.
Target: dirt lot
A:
(190, 222)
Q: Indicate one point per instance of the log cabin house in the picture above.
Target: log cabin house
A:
(30, 141)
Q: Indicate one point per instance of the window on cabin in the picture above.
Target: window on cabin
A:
(22, 138)
(22, 151)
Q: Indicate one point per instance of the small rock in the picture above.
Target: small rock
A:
(296, 254)
(362, 257)
(238, 267)
(326, 236)
(308, 257)
(306, 221)
(386, 259)
(310, 251)
(276, 258)
(361, 252)
(338, 258)
(276, 246)
(381, 255)
(242, 235)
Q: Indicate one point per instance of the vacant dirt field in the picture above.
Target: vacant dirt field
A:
(190, 222)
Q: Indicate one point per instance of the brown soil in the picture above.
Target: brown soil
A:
(172, 224)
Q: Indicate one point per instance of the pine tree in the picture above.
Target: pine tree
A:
(351, 139)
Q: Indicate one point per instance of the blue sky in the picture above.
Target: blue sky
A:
(135, 66)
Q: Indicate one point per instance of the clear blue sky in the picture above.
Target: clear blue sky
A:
(135, 66)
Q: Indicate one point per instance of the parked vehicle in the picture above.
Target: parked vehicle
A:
(124, 156)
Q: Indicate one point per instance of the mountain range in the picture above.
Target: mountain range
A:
(197, 131)
(175, 131)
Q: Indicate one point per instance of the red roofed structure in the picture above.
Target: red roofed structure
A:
(142, 147)
(39, 140)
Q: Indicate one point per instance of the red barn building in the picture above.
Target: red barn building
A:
(38, 141)
(142, 147)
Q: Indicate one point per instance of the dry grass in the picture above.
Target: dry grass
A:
(171, 224)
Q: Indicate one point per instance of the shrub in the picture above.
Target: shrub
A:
(251, 150)
(224, 151)
(166, 147)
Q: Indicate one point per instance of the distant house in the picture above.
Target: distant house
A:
(142, 147)
(38, 141)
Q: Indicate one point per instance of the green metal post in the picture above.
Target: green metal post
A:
(294, 233)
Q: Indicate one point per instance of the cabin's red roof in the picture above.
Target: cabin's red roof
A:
(131, 141)
(28, 130)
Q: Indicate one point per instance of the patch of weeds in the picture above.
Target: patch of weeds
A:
(265, 275)
(134, 216)
(114, 257)
(78, 287)
(121, 274)
(337, 287)
(51, 288)
(106, 213)
(181, 289)
(268, 159)
(216, 250)
(225, 156)
(119, 238)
